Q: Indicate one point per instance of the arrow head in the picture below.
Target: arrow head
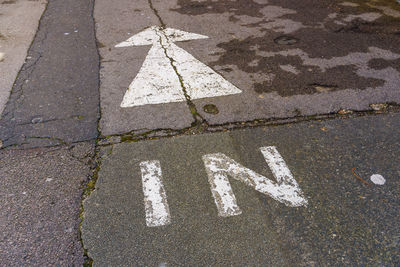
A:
(153, 35)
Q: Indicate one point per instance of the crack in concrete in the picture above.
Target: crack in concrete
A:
(193, 110)
(199, 121)
(156, 13)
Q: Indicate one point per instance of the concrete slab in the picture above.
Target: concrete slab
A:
(349, 220)
(55, 98)
(18, 24)
(40, 196)
(116, 22)
(288, 58)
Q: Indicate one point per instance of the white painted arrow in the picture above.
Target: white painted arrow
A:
(167, 67)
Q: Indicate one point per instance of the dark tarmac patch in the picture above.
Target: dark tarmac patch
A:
(323, 46)
(359, 26)
(40, 193)
(239, 7)
(379, 64)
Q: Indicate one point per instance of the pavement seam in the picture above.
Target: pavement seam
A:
(147, 134)
(134, 136)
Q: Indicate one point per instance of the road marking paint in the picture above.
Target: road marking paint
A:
(2, 55)
(157, 81)
(219, 167)
(378, 179)
(155, 199)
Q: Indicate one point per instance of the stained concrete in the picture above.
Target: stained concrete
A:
(335, 57)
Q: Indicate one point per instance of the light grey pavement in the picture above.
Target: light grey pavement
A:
(346, 221)
(18, 24)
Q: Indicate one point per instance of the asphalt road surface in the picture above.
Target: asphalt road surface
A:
(165, 133)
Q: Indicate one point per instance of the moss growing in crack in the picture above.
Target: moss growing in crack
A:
(89, 187)
(192, 109)
(131, 137)
(100, 44)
